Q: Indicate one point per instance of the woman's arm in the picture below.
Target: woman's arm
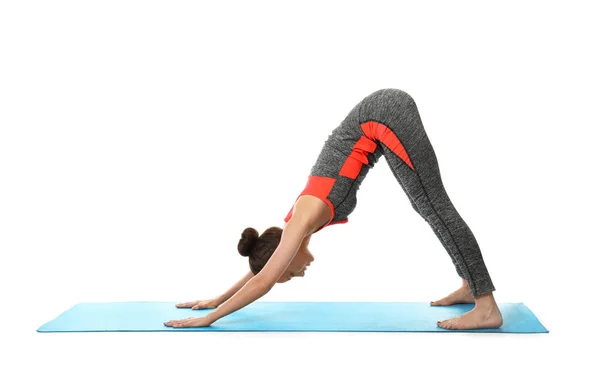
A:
(234, 289)
(292, 236)
(217, 301)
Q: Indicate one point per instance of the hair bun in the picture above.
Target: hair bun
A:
(249, 238)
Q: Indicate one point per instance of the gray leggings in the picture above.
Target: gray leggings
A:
(387, 123)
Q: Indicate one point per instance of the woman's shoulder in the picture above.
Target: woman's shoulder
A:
(313, 211)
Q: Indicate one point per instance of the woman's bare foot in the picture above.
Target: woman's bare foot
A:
(485, 314)
(461, 295)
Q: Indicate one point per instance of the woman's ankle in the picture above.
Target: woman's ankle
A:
(465, 284)
(485, 300)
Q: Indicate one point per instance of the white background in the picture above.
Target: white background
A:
(139, 138)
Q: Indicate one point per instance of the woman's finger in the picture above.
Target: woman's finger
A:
(178, 324)
(187, 322)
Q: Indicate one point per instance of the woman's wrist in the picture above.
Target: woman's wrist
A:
(212, 317)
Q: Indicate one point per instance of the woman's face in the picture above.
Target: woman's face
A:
(298, 265)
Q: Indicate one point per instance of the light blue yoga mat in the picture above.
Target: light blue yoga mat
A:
(285, 317)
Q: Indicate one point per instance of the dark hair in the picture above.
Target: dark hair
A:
(259, 248)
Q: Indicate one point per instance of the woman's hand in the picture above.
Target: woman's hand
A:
(199, 304)
(189, 322)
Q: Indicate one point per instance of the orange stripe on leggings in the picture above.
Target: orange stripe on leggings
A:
(375, 130)
(358, 157)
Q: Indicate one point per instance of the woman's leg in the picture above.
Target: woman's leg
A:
(463, 294)
(391, 116)
(390, 157)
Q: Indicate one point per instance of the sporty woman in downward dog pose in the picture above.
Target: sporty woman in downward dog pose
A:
(386, 122)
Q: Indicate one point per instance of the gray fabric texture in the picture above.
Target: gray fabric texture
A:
(398, 111)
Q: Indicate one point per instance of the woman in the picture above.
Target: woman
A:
(386, 122)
